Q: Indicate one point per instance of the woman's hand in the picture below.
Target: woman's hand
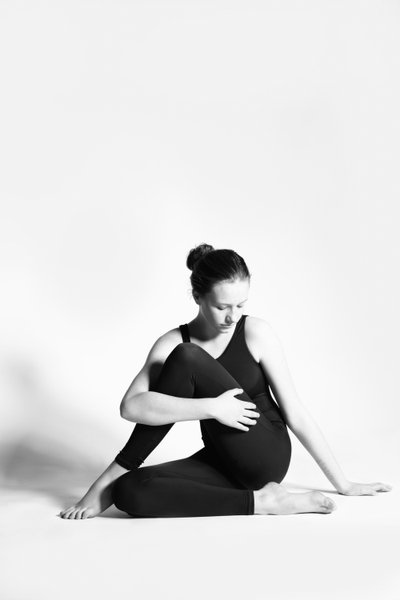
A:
(364, 489)
(229, 410)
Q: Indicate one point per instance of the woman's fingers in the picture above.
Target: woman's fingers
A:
(242, 427)
(248, 421)
(381, 487)
(365, 490)
(368, 489)
(251, 413)
(248, 405)
(372, 489)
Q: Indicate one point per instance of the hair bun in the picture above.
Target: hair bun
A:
(196, 254)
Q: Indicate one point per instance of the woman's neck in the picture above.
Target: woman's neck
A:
(202, 330)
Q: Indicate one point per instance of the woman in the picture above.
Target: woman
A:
(216, 369)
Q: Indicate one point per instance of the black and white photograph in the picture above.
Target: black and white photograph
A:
(200, 257)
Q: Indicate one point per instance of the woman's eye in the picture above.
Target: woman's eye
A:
(219, 308)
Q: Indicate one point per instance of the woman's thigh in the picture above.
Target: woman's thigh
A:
(253, 457)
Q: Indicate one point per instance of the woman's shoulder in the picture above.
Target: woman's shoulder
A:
(163, 346)
(167, 341)
(258, 332)
(257, 325)
(172, 336)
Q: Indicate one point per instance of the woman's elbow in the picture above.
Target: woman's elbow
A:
(136, 412)
(122, 410)
(127, 409)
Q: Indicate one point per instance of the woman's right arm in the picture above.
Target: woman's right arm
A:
(140, 405)
(154, 408)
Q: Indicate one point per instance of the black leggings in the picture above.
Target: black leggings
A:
(219, 478)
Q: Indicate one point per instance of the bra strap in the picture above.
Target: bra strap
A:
(185, 332)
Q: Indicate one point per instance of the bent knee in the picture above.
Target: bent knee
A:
(130, 493)
(186, 351)
(123, 489)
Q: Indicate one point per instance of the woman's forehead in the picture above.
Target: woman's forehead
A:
(230, 291)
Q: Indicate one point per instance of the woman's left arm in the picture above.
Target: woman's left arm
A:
(298, 419)
(310, 435)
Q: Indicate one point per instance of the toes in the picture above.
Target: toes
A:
(382, 487)
(328, 504)
(62, 513)
(66, 512)
(76, 512)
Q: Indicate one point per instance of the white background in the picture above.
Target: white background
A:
(133, 131)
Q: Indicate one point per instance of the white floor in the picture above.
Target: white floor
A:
(350, 554)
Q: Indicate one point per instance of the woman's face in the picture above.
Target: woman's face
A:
(224, 304)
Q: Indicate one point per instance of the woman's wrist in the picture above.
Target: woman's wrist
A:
(209, 412)
(343, 486)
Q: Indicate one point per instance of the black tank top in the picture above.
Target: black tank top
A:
(241, 364)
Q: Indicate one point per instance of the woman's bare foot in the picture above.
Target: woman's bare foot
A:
(274, 499)
(98, 497)
(94, 502)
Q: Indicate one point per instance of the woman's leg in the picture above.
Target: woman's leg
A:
(219, 479)
(252, 458)
(174, 379)
(245, 459)
(188, 487)
(195, 487)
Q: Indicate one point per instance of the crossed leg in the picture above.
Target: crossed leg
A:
(188, 487)
(217, 480)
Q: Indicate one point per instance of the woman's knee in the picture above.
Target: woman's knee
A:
(130, 492)
(187, 353)
(123, 490)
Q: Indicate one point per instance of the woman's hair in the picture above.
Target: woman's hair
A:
(210, 266)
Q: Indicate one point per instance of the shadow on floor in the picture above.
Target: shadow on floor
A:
(51, 453)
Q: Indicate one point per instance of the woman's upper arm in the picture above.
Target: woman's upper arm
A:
(275, 367)
(148, 375)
